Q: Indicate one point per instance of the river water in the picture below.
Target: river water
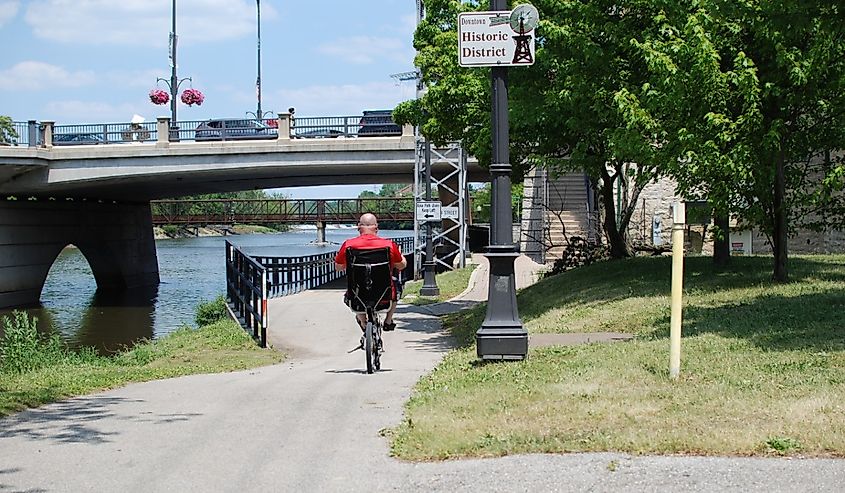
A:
(191, 270)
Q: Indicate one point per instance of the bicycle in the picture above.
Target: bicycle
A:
(369, 289)
(373, 343)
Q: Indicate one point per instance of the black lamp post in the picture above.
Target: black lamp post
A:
(259, 115)
(501, 335)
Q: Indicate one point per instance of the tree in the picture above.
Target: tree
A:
(564, 112)
(7, 130)
(748, 94)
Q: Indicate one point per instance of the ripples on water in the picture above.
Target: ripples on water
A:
(191, 270)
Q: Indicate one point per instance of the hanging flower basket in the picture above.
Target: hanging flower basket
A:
(159, 96)
(192, 96)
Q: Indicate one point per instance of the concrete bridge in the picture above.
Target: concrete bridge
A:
(98, 197)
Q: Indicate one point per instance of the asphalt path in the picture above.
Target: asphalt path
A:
(316, 423)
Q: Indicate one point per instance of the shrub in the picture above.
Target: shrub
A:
(209, 312)
(578, 253)
(22, 349)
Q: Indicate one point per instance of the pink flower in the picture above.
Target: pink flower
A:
(158, 96)
(192, 96)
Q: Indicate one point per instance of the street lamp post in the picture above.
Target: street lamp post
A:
(258, 112)
(501, 335)
(174, 82)
(259, 115)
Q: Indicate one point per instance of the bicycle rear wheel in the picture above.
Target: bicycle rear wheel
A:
(377, 342)
(369, 346)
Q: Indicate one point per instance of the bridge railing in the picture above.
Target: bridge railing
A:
(246, 292)
(278, 211)
(31, 133)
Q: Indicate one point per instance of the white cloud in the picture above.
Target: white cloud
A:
(368, 49)
(35, 76)
(8, 10)
(348, 99)
(142, 22)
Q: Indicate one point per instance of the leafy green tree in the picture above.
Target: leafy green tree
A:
(746, 98)
(7, 130)
(564, 112)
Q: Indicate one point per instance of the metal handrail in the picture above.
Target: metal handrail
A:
(278, 211)
(246, 292)
(313, 127)
(251, 280)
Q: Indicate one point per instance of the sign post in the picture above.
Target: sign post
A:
(500, 39)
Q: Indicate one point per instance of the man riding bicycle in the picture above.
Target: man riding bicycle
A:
(368, 239)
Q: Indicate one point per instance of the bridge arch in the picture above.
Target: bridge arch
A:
(115, 238)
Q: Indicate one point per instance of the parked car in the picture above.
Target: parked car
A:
(77, 139)
(320, 133)
(233, 129)
(378, 123)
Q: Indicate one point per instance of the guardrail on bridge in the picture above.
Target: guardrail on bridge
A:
(279, 211)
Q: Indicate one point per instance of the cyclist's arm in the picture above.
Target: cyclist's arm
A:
(395, 254)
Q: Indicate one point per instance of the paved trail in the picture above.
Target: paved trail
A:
(313, 423)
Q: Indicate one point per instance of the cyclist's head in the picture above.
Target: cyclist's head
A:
(367, 224)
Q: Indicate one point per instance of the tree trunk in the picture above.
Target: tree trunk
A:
(615, 239)
(780, 233)
(722, 242)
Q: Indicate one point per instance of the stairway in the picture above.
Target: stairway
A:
(557, 207)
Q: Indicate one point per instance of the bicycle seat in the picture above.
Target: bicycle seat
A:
(369, 284)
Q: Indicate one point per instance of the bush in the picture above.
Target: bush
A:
(22, 349)
(578, 253)
(209, 312)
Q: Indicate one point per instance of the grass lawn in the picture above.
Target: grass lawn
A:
(762, 367)
(451, 283)
(222, 346)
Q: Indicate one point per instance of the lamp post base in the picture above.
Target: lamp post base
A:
(502, 336)
(429, 287)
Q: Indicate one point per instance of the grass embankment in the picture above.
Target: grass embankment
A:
(450, 283)
(36, 371)
(762, 368)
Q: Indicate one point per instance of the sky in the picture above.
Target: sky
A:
(93, 61)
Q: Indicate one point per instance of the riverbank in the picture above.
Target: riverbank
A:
(173, 231)
(37, 371)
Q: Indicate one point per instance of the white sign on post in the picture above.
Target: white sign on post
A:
(497, 38)
(449, 213)
(428, 211)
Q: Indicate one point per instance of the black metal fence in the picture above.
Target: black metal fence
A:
(246, 292)
(250, 281)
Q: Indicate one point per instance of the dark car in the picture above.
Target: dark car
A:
(233, 129)
(77, 139)
(378, 123)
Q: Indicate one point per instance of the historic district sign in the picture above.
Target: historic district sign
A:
(497, 38)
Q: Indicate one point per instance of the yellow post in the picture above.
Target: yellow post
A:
(678, 222)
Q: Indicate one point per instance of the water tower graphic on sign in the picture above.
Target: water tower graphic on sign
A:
(524, 18)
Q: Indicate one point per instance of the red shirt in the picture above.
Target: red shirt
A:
(369, 242)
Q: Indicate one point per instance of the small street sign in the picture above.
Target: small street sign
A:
(449, 213)
(428, 211)
(497, 38)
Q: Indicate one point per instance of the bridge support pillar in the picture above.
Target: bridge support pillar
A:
(321, 232)
(116, 239)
